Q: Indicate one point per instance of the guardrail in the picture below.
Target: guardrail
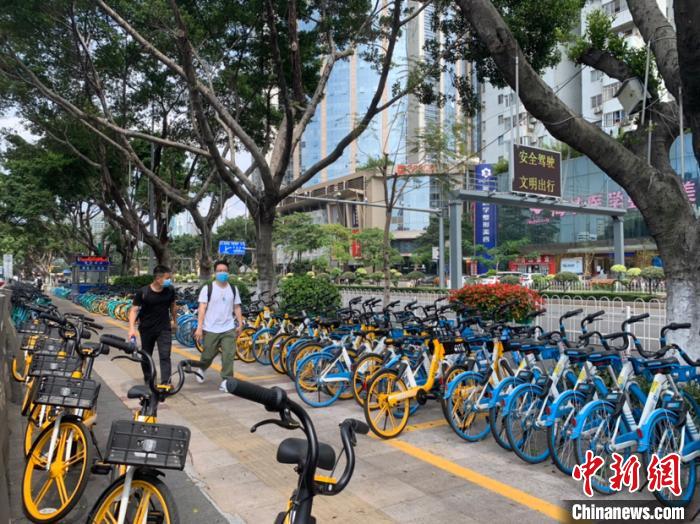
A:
(616, 310)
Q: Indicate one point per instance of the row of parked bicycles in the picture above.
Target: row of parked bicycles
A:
(60, 404)
(544, 395)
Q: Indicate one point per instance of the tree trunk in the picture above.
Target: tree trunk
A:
(264, 221)
(205, 260)
(386, 261)
(683, 305)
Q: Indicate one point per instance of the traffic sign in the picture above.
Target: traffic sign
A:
(231, 247)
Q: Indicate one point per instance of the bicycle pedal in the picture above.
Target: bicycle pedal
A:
(100, 468)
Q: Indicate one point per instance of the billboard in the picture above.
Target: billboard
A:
(536, 171)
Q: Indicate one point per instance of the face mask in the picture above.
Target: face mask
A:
(222, 276)
(167, 282)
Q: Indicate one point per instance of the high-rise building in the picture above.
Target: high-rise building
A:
(395, 131)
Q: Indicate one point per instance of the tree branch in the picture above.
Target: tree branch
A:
(655, 28)
(604, 61)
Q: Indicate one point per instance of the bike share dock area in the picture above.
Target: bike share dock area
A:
(193, 504)
(425, 475)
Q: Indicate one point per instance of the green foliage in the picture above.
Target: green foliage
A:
(502, 253)
(304, 293)
(371, 242)
(491, 273)
(513, 280)
(566, 277)
(539, 26)
(377, 276)
(348, 276)
(618, 268)
(600, 35)
(133, 282)
(298, 234)
(634, 272)
(336, 238)
(415, 276)
(540, 282)
(603, 286)
(652, 273)
(186, 246)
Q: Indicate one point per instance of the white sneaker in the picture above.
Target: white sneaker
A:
(222, 387)
(198, 375)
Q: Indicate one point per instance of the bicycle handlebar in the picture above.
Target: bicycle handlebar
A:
(274, 399)
(633, 319)
(673, 326)
(592, 317)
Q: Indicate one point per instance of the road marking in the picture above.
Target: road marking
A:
(425, 425)
(542, 506)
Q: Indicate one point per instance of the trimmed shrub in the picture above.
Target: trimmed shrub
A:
(377, 276)
(487, 298)
(513, 280)
(304, 293)
(348, 276)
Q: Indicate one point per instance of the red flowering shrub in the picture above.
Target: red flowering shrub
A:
(487, 298)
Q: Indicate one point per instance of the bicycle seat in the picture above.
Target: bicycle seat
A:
(661, 365)
(293, 451)
(576, 355)
(140, 392)
(602, 358)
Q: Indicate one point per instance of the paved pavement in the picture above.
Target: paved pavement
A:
(428, 474)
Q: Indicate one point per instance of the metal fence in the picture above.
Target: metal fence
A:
(616, 310)
(637, 286)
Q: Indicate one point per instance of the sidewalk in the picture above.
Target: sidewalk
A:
(193, 505)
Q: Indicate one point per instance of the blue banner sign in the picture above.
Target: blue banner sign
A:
(485, 215)
(231, 247)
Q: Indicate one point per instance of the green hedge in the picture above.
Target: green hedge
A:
(646, 297)
(133, 281)
(395, 289)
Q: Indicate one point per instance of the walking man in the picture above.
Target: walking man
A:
(155, 309)
(216, 328)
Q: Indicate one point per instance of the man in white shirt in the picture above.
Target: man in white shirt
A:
(216, 327)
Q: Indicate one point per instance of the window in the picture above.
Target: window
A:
(500, 140)
(614, 7)
(500, 100)
(500, 120)
(506, 123)
(596, 75)
(609, 91)
(596, 101)
(613, 118)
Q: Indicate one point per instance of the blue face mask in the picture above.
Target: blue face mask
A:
(167, 282)
(222, 276)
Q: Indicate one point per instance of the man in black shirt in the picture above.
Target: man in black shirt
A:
(154, 307)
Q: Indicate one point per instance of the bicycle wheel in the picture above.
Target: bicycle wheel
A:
(464, 414)
(261, 346)
(362, 372)
(665, 437)
(597, 429)
(527, 439)
(276, 352)
(300, 353)
(450, 375)
(498, 429)
(561, 446)
(150, 500)
(386, 421)
(316, 379)
(49, 495)
(244, 345)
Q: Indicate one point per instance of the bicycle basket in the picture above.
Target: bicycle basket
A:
(67, 392)
(140, 444)
(45, 364)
